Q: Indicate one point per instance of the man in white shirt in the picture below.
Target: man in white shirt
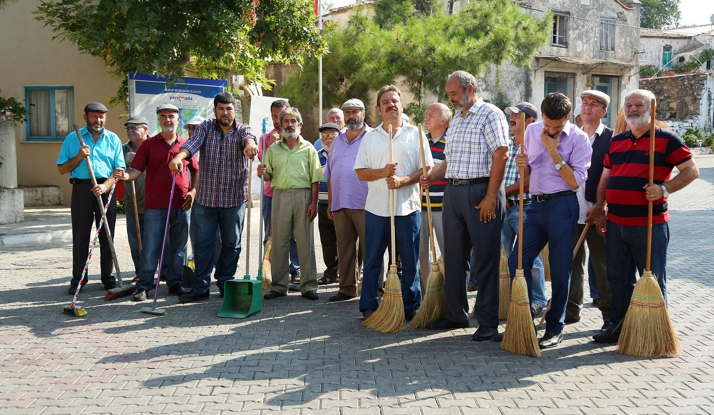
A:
(402, 175)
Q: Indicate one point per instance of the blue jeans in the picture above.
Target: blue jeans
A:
(552, 222)
(626, 254)
(134, 242)
(153, 239)
(508, 238)
(207, 220)
(266, 207)
(377, 232)
(216, 243)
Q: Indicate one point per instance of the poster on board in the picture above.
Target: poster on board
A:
(193, 97)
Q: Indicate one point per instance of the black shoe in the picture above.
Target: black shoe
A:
(447, 325)
(570, 320)
(484, 333)
(408, 316)
(596, 302)
(193, 297)
(339, 297)
(110, 285)
(310, 295)
(140, 295)
(498, 337)
(605, 326)
(220, 291)
(610, 335)
(550, 340)
(270, 295)
(73, 287)
(177, 289)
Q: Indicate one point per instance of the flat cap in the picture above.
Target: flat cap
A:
(329, 126)
(353, 104)
(196, 120)
(137, 119)
(167, 107)
(523, 107)
(95, 107)
(598, 95)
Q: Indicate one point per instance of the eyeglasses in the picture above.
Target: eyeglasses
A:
(133, 127)
(329, 135)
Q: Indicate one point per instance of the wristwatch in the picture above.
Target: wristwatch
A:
(665, 192)
(560, 165)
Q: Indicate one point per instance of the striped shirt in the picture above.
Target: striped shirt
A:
(436, 190)
(628, 160)
(472, 140)
(511, 175)
(224, 169)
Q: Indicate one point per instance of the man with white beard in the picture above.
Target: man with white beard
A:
(293, 168)
(624, 189)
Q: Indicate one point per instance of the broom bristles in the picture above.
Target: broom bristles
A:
(546, 262)
(77, 311)
(504, 287)
(267, 267)
(389, 316)
(433, 307)
(647, 330)
(520, 336)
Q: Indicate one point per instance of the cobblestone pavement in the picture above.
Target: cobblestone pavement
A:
(305, 357)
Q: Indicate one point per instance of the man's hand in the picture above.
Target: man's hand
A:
(128, 157)
(394, 182)
(522, 160)
(189, 199)
(487, 209)
(99, 189)
(119, 174)
(176, 165)
(83, 152)
(550, 143)
(390, 169)
(591, 216)
(262, 168)
(329, 211)
(601, 223)
(312, 211)
(653, 192)
(425, 181)
(251, 149)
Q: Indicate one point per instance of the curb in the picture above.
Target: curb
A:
(36, 238)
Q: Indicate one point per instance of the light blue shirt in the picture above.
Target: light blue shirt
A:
(105, 154)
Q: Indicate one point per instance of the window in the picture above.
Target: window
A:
(667, 56)
(560, 30)
(52, 112)
(607, 34)
(560, 82)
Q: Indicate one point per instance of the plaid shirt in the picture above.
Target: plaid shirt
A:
(511, 175)
(472, 140)
(222, 182)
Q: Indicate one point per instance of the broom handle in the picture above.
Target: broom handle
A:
(653, 105)
(581, 239)
(101, 208)
(163, 244)
(247, 225)
(260, 216)
(428, 201)
(136, 214)
(521, 173)
(391, 199)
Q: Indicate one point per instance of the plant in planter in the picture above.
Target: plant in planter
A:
(12, 110)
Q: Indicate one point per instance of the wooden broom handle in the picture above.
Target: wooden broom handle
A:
(391, 199)
(521, 173)
(581, 239)
(426, 191)
(136, 214)
(247, 222)
(653, 108)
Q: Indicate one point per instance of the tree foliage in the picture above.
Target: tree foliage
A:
(660, 14)
(420, 52)
(159, 37)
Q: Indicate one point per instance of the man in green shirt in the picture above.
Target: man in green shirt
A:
(293, 167)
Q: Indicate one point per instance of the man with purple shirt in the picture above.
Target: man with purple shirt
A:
(347, 196)
(557, 155)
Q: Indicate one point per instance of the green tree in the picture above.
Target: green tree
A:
(660, 14)
(217, 37)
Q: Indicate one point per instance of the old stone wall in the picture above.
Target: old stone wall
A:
(679, 97)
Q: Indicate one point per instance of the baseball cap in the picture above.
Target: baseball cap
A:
(523, 107)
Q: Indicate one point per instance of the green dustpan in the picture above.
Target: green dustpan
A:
(241, 298)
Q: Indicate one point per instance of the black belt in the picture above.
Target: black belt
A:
(515, 202)
(543, 198)
(465, 182)
(85, 181)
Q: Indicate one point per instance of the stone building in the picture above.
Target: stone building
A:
(684, 101)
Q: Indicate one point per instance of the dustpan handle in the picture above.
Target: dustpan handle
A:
(247, 221)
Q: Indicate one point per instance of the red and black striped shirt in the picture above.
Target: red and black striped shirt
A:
(628, 160)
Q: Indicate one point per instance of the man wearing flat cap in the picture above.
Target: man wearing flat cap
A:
(106, 152)
(592, 110)
(511, 180)
(347, 196)
(153, 157)
(328, 239)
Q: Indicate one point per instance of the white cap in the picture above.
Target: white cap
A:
(195, 121)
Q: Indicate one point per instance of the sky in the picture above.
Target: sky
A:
(694, 12)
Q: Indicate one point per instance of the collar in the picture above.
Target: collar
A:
(234, 126)
(381, 129)
(299, 142)
(475, 107)
(435, 140)
(646, 134)
(600, 129)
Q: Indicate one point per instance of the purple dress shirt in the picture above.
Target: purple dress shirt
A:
(573, 148)
(348, 192)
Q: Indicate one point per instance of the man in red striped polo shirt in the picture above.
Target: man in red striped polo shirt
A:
(624, 188)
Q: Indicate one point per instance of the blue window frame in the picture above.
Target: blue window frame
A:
(52, 112)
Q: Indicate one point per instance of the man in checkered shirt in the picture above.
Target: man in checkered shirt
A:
(474, 204)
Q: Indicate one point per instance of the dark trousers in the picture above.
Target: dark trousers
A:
(328, 239)
(551, 222)
(85, 218)
(349, 225)
(597, 251)
(463, 230)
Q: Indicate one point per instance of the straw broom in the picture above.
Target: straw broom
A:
(520, 336)
(433, 307)
(504, 287)
(389, 316)
(647, 330)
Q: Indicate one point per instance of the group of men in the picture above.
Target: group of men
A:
(572, 177)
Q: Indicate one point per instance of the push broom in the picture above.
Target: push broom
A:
(520, 336)
(73, 308)
(389, 316)
(153, 309)
(433, 307)
(647, 330)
